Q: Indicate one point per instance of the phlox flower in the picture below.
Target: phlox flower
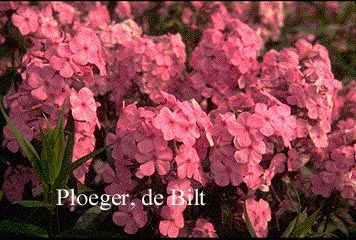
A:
(179, 185)
(123, 9)
(170, 124)
(252, 176)
(188, 162)
(26, 20)
(172, 223)
(204, 229)
(131, 216)
(83, 105)
(45, 82)
(15, 180)
(252, 153)
(119, 181)
(159, 160)
(245, 128)
(227, 170)
(259, 214)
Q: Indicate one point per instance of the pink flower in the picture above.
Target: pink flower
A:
(14, 183)
(188, 162)
(252, 176)
(10, 140)
(63, 62)
(170, 124)
(155, 160)
(26, 20)
(259, 214)
(129, 118)
(204, 229)
(65, 12)
(245, 128)
(179, 186)
(123, 9)
(319, 137)
(319, 186)
(252, 153)
(86, 48)
(317, 106)
(226, 170)
(267, 128)
(83, 105)
(120, 181)
(284, 123)
(45, 82)
(131, 215)
(15, 180)
(186, 15)
(99, 16)
(172, 223)
(48, 25)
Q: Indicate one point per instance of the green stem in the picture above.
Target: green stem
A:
(58, 225)
(49, 201)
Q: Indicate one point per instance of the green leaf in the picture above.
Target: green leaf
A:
(34, 203)
(292, 225)
(248, 223)
(339, 224)
(90, 234)
(26, 146)
(68, 152)
(320, 234)
(304, 227)
(91, 219)
(65, 173)
(290, 228)
(53, 147)
(21, 228)
(81, 188)
(45, 154)
(1, 195)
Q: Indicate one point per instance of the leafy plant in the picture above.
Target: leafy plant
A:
(53, 164)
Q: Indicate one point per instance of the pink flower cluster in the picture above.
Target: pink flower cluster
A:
(151, 64)
(224, 60)
(83, 108)
(16, 179)
(55, 66)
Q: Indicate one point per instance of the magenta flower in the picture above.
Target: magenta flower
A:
(131, 215)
